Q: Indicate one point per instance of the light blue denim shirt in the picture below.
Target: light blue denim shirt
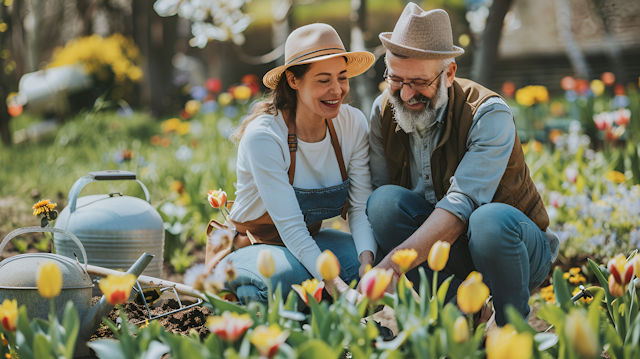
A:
(474, 183)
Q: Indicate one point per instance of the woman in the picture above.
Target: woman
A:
(302, 158)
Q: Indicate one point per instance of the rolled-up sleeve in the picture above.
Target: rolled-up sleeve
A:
(489, 145)
(380, 174)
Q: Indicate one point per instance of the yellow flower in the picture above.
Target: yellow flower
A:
(375, 282)
(309, 286)
(183, 128)
(461, 330)
(581, 335)
(49, 280)
(439, 255)
(44, 206)
(566, 275)
(5, 342)
(507, 343)
(577, 279)
(530, 95)
(268, 339)
(170, 125)
(328, 266)
(230, 326)
(192, 106)
(616, 177)
(266, 266)
(574, 271)
(597, 87)
(536, 146)
(225, 99)
(404, 257)
(242, 93)
(117, 288)
(472, 293)
(9, 314)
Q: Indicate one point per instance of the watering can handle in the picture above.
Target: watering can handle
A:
(35, 229)
(109, 175)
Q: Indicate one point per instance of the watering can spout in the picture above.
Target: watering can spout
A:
(92, 319)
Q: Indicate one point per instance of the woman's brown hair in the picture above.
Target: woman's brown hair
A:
(282, 98)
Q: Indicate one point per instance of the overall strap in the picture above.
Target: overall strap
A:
(343, 169)
(292, 139)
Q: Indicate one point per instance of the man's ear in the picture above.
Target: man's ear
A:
(451, 73)
(291, 79)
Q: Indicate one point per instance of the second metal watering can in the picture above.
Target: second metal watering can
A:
(18, 281)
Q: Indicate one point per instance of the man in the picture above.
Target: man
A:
(447, 164)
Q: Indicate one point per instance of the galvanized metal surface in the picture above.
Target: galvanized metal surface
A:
(114, 229)
(18, 277)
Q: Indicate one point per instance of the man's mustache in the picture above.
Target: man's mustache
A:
(418, 98)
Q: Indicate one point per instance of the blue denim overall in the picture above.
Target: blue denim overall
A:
(316, 205)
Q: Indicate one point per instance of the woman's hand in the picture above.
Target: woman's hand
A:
(365, 258)
(337, 285)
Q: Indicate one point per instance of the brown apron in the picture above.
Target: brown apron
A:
(262, 230)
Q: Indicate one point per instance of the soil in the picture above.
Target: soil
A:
(178, 323)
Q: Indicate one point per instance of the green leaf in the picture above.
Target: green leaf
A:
(212, 342)
(296, 338)
(424, 292)
(41, 347)
(156, 350)
(315, 349)
(551, 314)
(514, 317)
(71, 323)
(23, 327)
(563, 295)
(107, 349)
(546, 340)
(593, 316)
(442, 291)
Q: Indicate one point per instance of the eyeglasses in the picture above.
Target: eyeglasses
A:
(416, 86)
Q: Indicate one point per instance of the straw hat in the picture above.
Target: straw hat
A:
(313, 43)
(422, 34)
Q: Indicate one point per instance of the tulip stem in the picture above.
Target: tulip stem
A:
(435, 284)
(270, 296)
(52, 306)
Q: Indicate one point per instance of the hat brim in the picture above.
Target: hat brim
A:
(413, 52)
(357, 63)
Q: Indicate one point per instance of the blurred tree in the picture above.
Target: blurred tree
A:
(364, 87)
(486, 55)
(11, 68)
(574, 53)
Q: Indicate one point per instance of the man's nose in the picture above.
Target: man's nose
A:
(406, 92)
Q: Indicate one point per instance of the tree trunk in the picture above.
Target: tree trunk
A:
(486, 56)
(363, 84)
(574, 53)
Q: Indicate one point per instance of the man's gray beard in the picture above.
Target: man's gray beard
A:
(409, 119)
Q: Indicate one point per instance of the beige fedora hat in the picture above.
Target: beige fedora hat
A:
(313, 43)
(422, 34)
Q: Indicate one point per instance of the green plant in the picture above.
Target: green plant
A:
(21, 245)
(181, 259)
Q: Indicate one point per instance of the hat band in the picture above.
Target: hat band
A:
(312, 52)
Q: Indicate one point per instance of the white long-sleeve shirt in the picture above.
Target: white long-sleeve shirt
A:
(263, 181)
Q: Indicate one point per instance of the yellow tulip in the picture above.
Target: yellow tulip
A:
(472, 293)
(403, 258)
(242, 93)
(375, 283)
(117, 288)
(192, 106)
(225, 99)
(597, 87)
(507, 343)
(328, 265)
(439, 255)
(9, 314)
(49, 280)
(461, 330)
(615, 176)
(266, 266)
(268, 339)
(581, 335)
(309, 286)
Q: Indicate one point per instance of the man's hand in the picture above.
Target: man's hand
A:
(386, 263)
(365, 258)
(337, 286)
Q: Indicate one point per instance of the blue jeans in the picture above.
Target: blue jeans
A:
(250, 285)
(510, 251)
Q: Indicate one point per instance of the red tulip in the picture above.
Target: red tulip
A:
(217, 198)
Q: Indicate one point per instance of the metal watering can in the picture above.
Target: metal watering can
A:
(18, 281)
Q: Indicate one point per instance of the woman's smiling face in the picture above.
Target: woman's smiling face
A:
(321, 90)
